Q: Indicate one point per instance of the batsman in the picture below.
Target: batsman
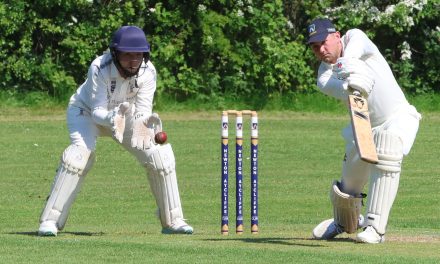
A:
(116, 100)
(350, 63)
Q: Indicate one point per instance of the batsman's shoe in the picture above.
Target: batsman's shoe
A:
(179, 226)
(369, 235)
(327, 229)
(48, 228)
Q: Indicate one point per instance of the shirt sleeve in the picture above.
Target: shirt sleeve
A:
(99, 101)
(358, 45)
(329, 84)
(145, 95)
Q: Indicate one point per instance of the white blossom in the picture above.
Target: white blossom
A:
(390, 9)
(152, 10)
(334, 10)
(375, 14)
(74, 19)
(201, 8)
(289, 24)
(406, 51)
(414, 4)
(209, 40)
(409, 21)
(240, 13)
(409, 3)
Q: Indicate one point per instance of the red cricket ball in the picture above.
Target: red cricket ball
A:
(161, 137)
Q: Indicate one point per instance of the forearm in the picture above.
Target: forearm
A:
(335, 88)
(101, 116)
(330, 85)
(144, 103)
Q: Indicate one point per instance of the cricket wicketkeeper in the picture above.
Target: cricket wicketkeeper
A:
(349, 62)
(116, 100)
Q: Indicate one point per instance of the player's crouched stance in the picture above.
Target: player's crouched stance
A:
(116, 100)
(350, 62)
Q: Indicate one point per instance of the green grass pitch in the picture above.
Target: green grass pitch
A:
(113, 219)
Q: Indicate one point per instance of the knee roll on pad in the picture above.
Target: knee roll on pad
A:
(389, 148)
(75, 162)
(346, 208)
(384, 180)
(160, 165)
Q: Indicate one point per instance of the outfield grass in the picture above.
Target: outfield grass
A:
(113, 219)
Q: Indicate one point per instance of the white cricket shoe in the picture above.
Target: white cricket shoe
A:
(369, 235)
(48, 228)
(179, 226)
(327, 229)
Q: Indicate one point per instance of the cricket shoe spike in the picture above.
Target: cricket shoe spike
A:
(370, 236)
(327, 229)
(179, 226)
(48, 228)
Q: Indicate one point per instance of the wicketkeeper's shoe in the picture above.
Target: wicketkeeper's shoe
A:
(48, 228)
(179, 226)
(369, 235)
(327, 229)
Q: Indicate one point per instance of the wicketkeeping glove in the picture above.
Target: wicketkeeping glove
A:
(144, 130)
(117, 120)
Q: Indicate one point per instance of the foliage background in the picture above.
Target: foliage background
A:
(210, 51)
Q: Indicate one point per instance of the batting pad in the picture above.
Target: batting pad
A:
(74, 165)
(346, 208)
(384, 180)
(160, 165)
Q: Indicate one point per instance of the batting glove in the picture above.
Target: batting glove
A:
(356, 73)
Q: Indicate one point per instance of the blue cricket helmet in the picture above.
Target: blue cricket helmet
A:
(130, 39)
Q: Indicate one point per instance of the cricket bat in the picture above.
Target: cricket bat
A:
(360, 120)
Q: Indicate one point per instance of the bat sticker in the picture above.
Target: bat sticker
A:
(360, 115)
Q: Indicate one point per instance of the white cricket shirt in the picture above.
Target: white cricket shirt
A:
(104, 89)
(386, 96)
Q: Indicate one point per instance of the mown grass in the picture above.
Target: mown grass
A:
(113, 219)
(311, 103)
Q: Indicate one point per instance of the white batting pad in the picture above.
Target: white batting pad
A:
(160, 166)
(346, 208)
(74, 165)
(384, 180)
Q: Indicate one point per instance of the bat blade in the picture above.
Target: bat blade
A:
(363, 135)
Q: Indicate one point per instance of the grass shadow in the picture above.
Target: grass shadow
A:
(35, 233)
(294, 241)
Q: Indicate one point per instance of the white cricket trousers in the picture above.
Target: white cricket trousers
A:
(356, 172)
